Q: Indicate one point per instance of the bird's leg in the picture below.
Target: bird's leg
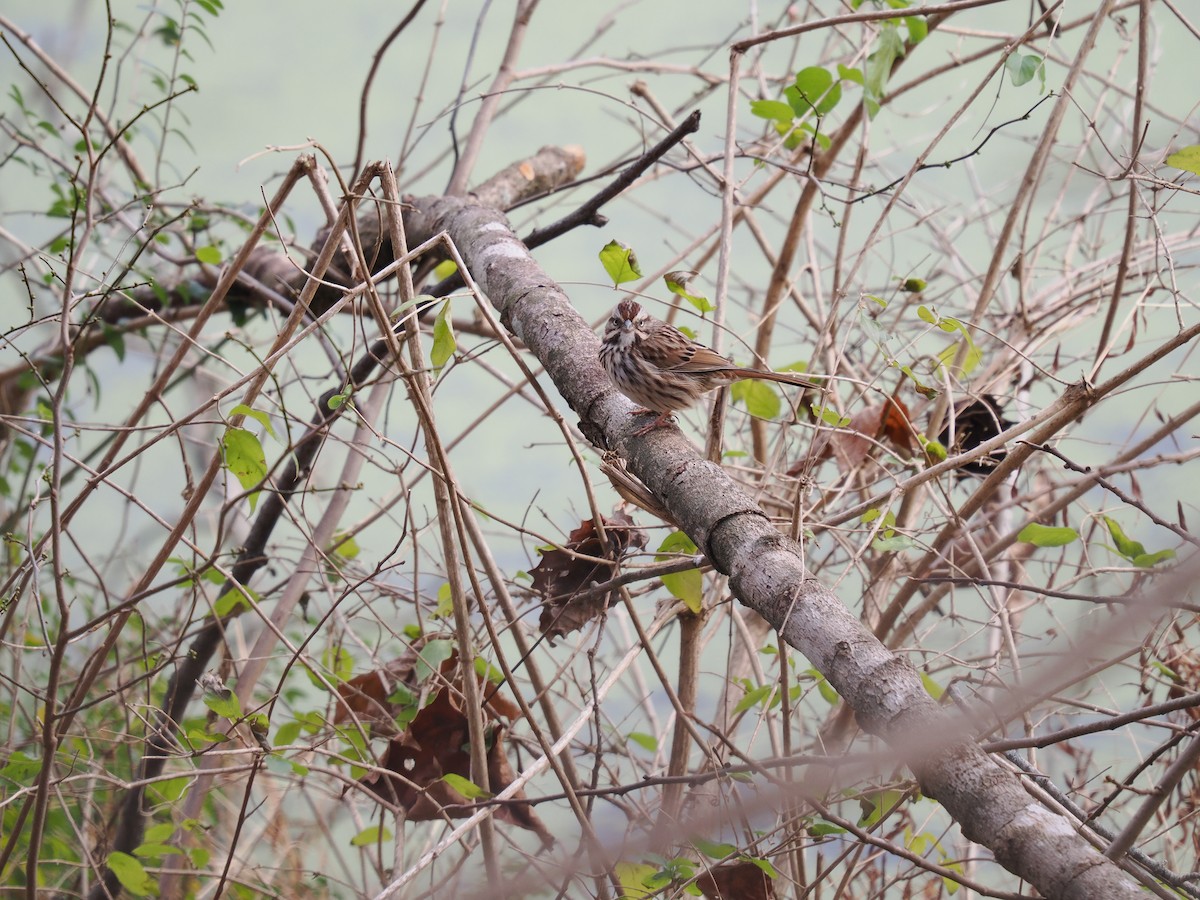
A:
(663, 420)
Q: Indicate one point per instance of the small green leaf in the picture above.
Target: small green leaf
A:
(620, 262)
(1186, 158)
(287, 733)
(848, 74)
(1047, 536)
(210, 255)
(344, 546)
(431, 657)
(1126, 546)
(893, 544)
(445, 604)
(917, 27)
(370, 836)
(875, 804)
(256, 414)
(233, 600)
(827, 691)
(824, 829)
(1149, 560)
(643, 740)
(677, 283)
(812, 83)
(339, 662)
(245, 459)
(445, 269)
(760, 398)
(753, 697)
(773, 110)
(132, 874)
(925, 314)
(116, 340)
(465, 786)
(829, 416)
(932, 688)
(485, 669)
(687, 586)
(444, 344)
(1022, 68)
(714, 850)
(224, 703)
(769, 870)
(634, 879)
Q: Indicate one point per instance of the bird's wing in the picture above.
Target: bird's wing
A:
(698, 358)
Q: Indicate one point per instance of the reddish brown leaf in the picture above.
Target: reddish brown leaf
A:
(851, 445)
(561, 575)
(436, 744)
(736, 881)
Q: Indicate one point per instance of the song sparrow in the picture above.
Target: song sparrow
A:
(658, 366)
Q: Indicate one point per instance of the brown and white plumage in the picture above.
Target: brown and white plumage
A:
(659, 367)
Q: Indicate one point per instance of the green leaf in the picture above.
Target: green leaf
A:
(445, 269)
(893, 544)
(925, 314)
(256, 414)
(769, 870)
(1047, 536)
(677, 283)
(287, 734)
(339, 662)
(687, 586)
(344, 546)
(773, 110)
(643, 740)
(245, 459)
(1149, 560)
(370, 836)
(935, 449)
(812, 83)
(224, 703)
(760, 398)
(172, 790)
(21, 768)
(714, 850)
(824, 829)
(445, 604)
(443, 338)
(753, 697)
(932, 688)
(879, 66)
(209, 254)
(829, 416)
(848, 74)
(431, 657)
(824, 688)
(917, 27)
(233, 600)
(1126, 546)
(620, 262)
(634, 879)
(1022, 68)
(1187, 158)
(485, 669)
(875, 804)
(465, 786)
(116, 340)
(132, 874)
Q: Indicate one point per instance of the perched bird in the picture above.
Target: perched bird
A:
(659, 367)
